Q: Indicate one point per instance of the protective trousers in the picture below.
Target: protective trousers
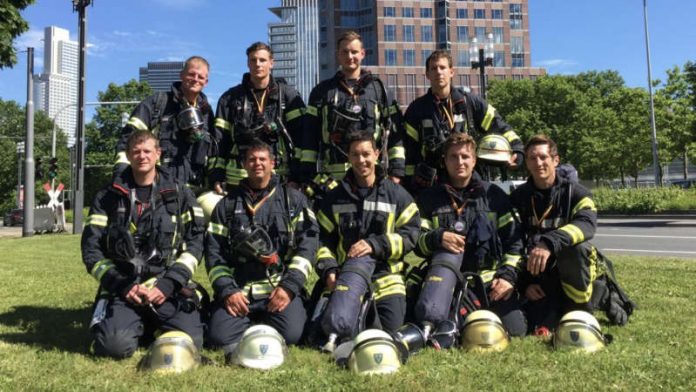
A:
(125, 326)
(435, 298)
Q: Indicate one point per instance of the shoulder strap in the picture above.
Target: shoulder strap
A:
(160, 106)
(471, 126)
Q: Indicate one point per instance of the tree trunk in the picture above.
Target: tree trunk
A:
(685, 162)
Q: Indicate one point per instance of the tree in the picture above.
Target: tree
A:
(12, 26)
(676, 125)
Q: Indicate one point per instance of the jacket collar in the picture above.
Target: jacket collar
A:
(124, 182)
(201, 100)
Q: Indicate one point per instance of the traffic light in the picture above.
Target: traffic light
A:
(53, 168)
(38, 171)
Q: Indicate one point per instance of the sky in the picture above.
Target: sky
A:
(567, 37)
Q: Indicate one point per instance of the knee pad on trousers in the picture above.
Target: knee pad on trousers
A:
(342, 312)
(118, 344)
(577, 270)
(435, 298)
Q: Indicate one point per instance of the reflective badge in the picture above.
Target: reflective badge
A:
(486, 336)
(378, 358)
(574, 335)
(356, 109)
(263, 348)
(459, 226)
(168, 358)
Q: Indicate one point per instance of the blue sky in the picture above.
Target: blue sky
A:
(567, 37)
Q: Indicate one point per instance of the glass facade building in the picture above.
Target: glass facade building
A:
(161, 74)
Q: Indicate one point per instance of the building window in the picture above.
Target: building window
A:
(464, 81)
(390, 32)
(407, 12)
(479, 14)
(516, 45)
(496, 14)
(480, 33)
(442, 35)
(426, 12)
(410, 88)
(409, 57)
(390, 56)
(499, 59)
(425, 53)
(392, 85)
(518, 59)
(463, 58)
(463, 33)
(389, 12)
(516, 77)
(516, 16)
(427, 33)
(498, 35)
(462, 13)
(409, 33)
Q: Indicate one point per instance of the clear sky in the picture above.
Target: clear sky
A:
(567, 37)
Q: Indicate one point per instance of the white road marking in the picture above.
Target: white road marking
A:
(645, 236)
(648, 251)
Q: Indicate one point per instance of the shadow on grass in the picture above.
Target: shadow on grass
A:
(48, 328)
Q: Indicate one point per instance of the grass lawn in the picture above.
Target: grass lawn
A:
(45, 308)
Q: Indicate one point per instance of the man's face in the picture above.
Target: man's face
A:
(194, 78)
(439, 73)
(460, 161)
(541, 164)
(350, 55)
(258, 164)
(363, 158)
(143, 157)
(260, 64)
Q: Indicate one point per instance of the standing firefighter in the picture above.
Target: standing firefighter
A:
(260, 249)
(261, 107)
(444, 110)
(182, 120)
(352, 100)
(368, 224)
(142, 241)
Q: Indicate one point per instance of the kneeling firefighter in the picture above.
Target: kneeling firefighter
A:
(260, 248)
(142, 241)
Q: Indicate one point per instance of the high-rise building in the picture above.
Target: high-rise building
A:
(295, 44)
(55, 90)
(398, 36)
(161, 74)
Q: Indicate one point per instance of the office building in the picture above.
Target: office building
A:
(161, 74)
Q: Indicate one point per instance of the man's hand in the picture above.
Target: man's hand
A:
(137, 295)
(537, 258)
(501, 290)
(534, 292)
(218, 188)
(453, 242)
(359, 249)
(331, 281)
(155, 296)
(512, 162)
(279, 300)
(237, 304)
(395, 180)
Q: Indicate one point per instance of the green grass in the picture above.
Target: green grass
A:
(45, 307)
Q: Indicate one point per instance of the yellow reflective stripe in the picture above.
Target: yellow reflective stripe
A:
(436, 222)
(216, 228)
(412, 132)
(97, 220)
(293, 114)
(218, 272)
(511, 136)
(189, 261)
(310, 214)
(505, 220)
(325, 253)
(576, 235)
(585, 203)
(389, 285)
(488, 118)
(186, 217)
(325, 222)
(512, 260)
(137, 124)
(407, 215)
(301, 264)
(397, 152)
(487, 275)
(426, 224)
(235, 175)
(423, 243)
(337, 168)
(396, 243)
(309, 156)
(101, 267)
(121, 157)
(198, 212)
(222, 123)
(262, 287)
(410, 170)
(311, 110)
(369, 205)
(218, 163)
(583, 296)
(396, 267)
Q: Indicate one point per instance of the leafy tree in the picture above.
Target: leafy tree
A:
(12, 26)
(676, 124)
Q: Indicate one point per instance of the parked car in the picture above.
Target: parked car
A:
(684, 184)
(13, 217)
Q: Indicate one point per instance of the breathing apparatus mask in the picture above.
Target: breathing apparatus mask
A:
(190, 122)
(132, 251)
(254, 244)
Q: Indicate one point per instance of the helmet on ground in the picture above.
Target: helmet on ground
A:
(208, 201)
(374, 353)
(483, 331)
(580, 331)
(494, 148)
(261, 347)
(172, 352)
(409, 339)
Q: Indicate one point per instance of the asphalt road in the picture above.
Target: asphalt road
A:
(659, 237)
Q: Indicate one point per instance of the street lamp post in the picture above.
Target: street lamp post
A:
(656, 161)
(480, 58)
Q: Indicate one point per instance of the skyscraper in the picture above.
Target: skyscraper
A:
(295, 44)
(161, 74)
(55, 89)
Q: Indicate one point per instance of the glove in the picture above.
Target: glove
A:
(615, 310)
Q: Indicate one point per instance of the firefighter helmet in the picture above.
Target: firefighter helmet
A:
(374, 353)
(208, 201)
(172, 352)
(261, 347)
(580, 331)
(483, 331)
(409, 339)
(494, 148)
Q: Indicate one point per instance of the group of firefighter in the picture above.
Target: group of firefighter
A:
(274, 194)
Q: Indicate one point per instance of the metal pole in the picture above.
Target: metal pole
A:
(28, 225)
(81, 6)
(656, 161)
(482, 73)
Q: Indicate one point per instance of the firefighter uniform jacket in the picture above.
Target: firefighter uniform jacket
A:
(430, 120)
(285, 214)
(335, 108)
(185, 160)
(168, 230)
(275, 118)
(493, 239)
(386, 217)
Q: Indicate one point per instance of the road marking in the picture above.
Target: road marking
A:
(649, 251)
(645, 236)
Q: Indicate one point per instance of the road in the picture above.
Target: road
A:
(659, 237)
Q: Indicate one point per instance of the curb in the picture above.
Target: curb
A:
(682, 215)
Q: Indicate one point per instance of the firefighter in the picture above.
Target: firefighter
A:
(558, 219)
(467, 227)
(443, 110)
(368, 224)
(260, 249)
(182, 119)
(352, 100)
(142, 242)
(261, 107)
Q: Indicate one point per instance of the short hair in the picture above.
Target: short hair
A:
(458, 139)
(195, 59)
(349, 36)
(541, 139)
(141, 136)
(256, 46)
(359, 137)
(437, 55)
(258, 145)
